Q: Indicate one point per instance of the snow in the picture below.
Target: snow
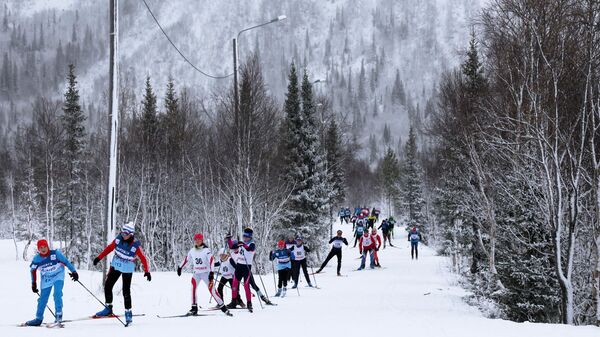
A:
(407, 297)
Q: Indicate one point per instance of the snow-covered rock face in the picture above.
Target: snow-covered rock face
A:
(333, 39)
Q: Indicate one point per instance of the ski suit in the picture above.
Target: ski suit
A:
(243, 268)
(201, 260)
(284, 265)
(367, 245)
(122, 264)
(414, 237)
(336, 250)
(299, 261)
(52, 275)
(226, 269)
(358, 232)
(377, 240)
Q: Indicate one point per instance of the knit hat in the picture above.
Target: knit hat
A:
(198, 236)
(128, 228)
(298, 238)
(248, 233)
(42, 243)
(281, 244)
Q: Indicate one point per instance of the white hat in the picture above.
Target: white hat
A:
(129, 227)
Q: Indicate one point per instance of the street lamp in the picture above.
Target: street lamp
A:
(235, 61)
(236, 102)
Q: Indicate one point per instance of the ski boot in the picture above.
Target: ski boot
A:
(295, 286)
(318, 271)
(362, 266)
(34, 322)
(232, 304)
(128, 316)
(58, 318)
(249, 306)
(339, 274)
(278, 293)
(193, 311)
(283, 292)
(107, 311)
(241, 303)
(224, 309)
(310, 285)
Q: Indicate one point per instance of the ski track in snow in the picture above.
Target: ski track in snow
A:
(387, 301)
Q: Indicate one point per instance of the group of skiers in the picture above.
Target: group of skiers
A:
(233, 264)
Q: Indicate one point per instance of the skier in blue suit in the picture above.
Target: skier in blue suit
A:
(51, 264)
(414, 237)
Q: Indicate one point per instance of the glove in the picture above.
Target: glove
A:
(376, 249)
(148, 276)
(178, 271)
(74, 276)
(34, 288)
(211, 276)
(96, 260)
(360, 252)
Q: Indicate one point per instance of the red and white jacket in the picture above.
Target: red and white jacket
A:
(366, 242)
(201, 259)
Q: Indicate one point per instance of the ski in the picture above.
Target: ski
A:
(183, 315)
(43, 325)
(97, 317)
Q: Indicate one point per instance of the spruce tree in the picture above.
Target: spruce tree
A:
(335, 166)
(412, 195)
(389, 178)
(149, 120)
(305, 164)
(71, 208)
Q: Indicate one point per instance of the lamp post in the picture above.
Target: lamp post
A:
(236, 104)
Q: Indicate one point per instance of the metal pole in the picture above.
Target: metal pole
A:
(113, 127)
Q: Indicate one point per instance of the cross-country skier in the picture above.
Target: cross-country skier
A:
(366, 246)
(243, 266)
(342, 215)
(385, 229)
(371, 221)
(377, 240)
(375, 212)
(289, 243)
(126, 248)
(414, 237)
(336, 250)
(284, 258)
(347, 214)
(225, 266)
(299, 261)
(359, 230)
(201, 261)
(51, 264)
(392, 223)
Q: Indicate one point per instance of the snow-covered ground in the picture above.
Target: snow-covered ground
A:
(405, 298)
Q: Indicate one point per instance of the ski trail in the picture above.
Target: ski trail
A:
(389, 301)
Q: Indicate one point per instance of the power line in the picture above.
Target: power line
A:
(177, 49)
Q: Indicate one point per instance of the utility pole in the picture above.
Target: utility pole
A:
(113, 127)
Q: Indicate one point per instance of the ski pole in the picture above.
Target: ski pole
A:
(265, 288)
(314, 276)
(273, 267)
(47, 307)
(97, 299)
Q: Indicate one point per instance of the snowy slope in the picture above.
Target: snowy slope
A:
(373, 302)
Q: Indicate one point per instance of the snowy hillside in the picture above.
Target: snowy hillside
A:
(357, 46)
(405, 298)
